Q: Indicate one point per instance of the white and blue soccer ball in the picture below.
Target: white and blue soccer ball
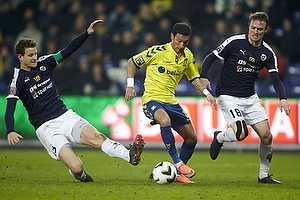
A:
(164, 172)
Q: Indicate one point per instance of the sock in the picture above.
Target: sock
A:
(186, 151)
(115, 149)
(265, 154)
(226, 136)
(176, 166)
(169, 141)
(81, 177)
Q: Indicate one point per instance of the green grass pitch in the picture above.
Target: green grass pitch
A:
(32, 174)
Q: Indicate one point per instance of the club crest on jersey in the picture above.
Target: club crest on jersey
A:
(37, 78)
(263, 57)
(43, 68)
(139, 60)
(185, 62)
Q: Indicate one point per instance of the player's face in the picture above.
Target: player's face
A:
(179, 42)
(257, 30)
(29, 60)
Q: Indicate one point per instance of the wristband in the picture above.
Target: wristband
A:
(205, 92)
(130, 82)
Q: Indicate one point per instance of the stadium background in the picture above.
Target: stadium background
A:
(99, 66)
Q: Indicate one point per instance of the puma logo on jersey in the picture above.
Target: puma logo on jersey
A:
(27, 79)
(243, 52)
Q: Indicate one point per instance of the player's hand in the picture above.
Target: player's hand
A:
(13, 138)
(205, 82)
(212, 100)
(130, 93)
(92, 26)
(284, 105)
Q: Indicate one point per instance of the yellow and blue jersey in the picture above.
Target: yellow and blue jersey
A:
(165, 68)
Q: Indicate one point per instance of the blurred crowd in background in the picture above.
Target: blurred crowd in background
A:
(98, 67)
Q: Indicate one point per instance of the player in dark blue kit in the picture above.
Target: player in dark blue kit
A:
(244, 56)
(56, 125)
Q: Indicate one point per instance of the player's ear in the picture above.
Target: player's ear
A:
(266, 29)
(172, 36)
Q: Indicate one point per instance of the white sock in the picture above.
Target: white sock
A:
(265, 154)
(81, 177)
(177, 164)
(115, 149)
(226, 136)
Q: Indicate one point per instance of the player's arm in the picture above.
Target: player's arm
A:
(130, 92)
(76, 43)
(12, 137)
(207, 62)
(197, 84)
(278, 86)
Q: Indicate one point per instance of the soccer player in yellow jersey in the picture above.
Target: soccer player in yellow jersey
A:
(166, 64)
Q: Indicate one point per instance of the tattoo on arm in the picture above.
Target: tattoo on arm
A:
(197, 84)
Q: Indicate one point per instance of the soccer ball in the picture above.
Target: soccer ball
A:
(164, 172)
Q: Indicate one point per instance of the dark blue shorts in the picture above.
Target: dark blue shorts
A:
(177, 115)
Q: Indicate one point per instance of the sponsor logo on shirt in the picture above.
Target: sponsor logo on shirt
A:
(220, 48)
(139, 60)
(239, 68)
(37, 78)
(12, 90)
(163, 70)
(244, 66)
(251, 59)
(38, 89)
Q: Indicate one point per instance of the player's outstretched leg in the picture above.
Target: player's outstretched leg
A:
(136, 149)
(215, 146)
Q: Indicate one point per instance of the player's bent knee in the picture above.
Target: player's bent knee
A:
(192, 140)
(241, 128)
(267, 139)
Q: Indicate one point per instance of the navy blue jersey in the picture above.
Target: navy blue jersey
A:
(37, 91)
(242, 62)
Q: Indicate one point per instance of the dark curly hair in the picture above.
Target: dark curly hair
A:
(24, 43)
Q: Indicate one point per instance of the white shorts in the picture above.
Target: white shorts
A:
(242, 108)
(57, 133)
